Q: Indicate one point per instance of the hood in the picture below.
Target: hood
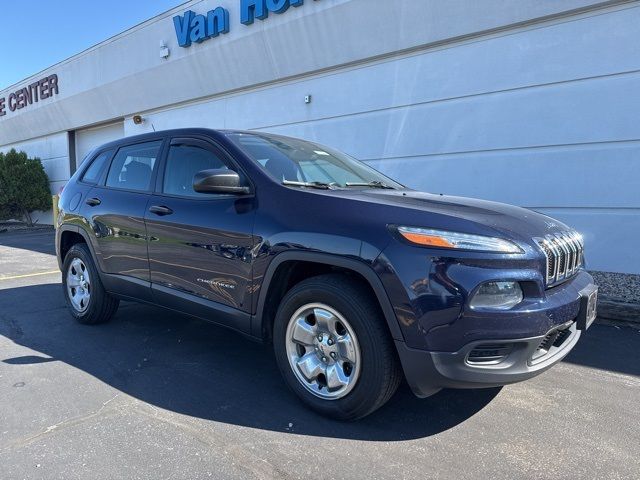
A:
(507, 220)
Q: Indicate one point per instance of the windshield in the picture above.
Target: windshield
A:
(305, 164)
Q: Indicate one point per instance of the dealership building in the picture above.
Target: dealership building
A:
(530, 102)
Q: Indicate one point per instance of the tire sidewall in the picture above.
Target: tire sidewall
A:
(82, 252)
(364, 395)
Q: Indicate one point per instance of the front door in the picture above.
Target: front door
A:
(200, 245)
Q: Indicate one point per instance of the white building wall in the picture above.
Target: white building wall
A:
(543, 117)
(125, 74)
(534, 105)
(89, 138)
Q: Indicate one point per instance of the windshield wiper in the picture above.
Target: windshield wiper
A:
(319, 185)
(373, 184)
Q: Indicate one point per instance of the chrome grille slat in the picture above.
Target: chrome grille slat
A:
(574, 253)
(564, 254)
(556, 256)
(571, 256)
(569, 267)
(550, 265)
(562, 258)
(580, 246)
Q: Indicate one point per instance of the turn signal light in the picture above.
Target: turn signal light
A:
(455, 240)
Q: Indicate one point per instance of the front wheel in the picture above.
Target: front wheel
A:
(334, 349)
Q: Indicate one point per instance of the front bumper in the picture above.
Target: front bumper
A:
(431, 296)
(444, 339)
(491, 356)
(486, 363)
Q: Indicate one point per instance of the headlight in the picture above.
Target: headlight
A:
(455, 240)
(498, 295)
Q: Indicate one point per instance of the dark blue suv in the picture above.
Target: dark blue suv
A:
(357, 280)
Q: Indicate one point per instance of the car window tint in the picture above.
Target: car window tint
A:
(183, 162)
(92, 175)
(132, 166)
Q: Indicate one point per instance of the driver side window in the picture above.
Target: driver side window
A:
(183, 162)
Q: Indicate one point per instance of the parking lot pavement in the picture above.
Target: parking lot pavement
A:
(157, 395)
(27, 254)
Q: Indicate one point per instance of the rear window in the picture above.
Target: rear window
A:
(93, 173)
(133, 165)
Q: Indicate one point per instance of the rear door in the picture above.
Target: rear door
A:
(116, 209)
(200, 247)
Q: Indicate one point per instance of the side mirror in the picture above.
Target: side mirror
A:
(219, 181)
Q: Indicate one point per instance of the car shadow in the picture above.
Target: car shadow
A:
(195, 368)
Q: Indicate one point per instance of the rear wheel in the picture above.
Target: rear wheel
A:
(334, 349)
(85, 296)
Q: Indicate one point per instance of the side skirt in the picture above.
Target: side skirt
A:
(180, 302)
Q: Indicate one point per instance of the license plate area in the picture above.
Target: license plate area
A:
(588, 307)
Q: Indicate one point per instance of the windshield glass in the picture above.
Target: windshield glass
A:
(308, 164)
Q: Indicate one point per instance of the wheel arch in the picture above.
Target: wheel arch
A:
(262, 321)
(69, 235)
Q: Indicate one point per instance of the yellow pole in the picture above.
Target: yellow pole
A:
(55, 199)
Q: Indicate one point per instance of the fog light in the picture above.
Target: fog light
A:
(498, 295)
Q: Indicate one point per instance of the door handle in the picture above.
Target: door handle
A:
(93, 202)
(160, 210)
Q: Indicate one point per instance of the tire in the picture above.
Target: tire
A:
(336, 308)
(84, 294)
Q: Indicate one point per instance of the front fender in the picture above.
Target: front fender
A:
(355, 264)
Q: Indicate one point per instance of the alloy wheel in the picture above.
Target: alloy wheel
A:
(323, 351)
(78, 285)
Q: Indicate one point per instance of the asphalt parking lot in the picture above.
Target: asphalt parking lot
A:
(155, 395)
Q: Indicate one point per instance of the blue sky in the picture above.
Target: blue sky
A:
(36, 35)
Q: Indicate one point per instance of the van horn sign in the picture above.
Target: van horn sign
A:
(192, 28)
(35, 92)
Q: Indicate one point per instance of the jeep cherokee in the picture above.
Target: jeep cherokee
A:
(356, 280)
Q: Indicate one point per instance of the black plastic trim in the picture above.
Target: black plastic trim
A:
(257, 323)
(75, 229)
(202, 308)
(135, 288)
(428, 372)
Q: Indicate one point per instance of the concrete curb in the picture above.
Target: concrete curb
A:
(611, 309)
(18, 227)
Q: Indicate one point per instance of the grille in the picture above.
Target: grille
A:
(555, 339)
(564, 255)
(549, 340)
(489, 353)
(562, 336)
